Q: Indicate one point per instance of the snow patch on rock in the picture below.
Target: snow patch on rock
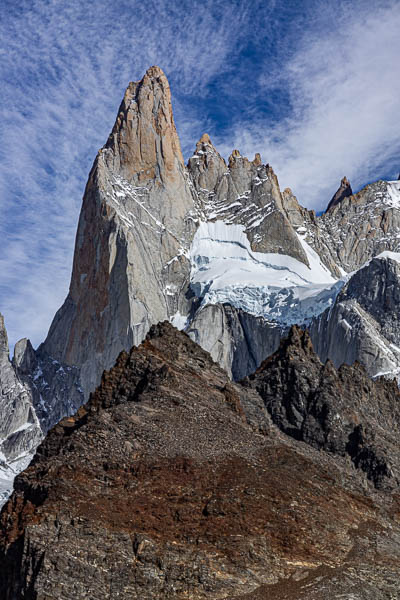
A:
(393, 194)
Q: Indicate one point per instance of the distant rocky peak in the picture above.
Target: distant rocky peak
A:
(343, 192)
(205, 144)
(206, 166)
(257, 162)
(3, 339)
(244, 193)
(235, 154)
(144, 145)
(24, 359)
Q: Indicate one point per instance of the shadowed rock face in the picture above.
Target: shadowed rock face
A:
(343, 192)
(363, 323)
(20, 431)
(35, 393)
(172, 482)
(341, 411)
(236, 340)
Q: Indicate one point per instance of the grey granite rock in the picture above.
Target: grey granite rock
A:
(20, 431)
(35, 393)
(55, 387)
(363, 324)
(136, 224)
(353, 230)
(246, 193)
(236, 340)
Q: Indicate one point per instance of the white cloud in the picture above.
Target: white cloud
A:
(343, 90)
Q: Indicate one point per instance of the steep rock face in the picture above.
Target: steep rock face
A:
(341, 411)
(20, 431)
(54, 387)
(36, 391)
(130, 264)
(246, 193)
(363, 324)
(176, 482)
(236, 340)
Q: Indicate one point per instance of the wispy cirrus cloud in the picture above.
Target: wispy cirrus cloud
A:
(340, 91)
(64, 68)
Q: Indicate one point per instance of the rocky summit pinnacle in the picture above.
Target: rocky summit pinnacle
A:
(131, 265)
(144, 144)
(343, 192)
(141, 216)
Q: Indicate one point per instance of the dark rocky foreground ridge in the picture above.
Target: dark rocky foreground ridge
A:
(174, 482)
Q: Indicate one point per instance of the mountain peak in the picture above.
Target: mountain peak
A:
(24, 359)
(205, 139)
(205, 146)
(144, 145)
(155, 71)
(257, 159)
(343, 191)
(3, 338)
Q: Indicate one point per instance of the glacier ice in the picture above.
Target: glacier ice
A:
(275, 286)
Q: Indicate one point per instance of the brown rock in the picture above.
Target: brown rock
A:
(206, 500)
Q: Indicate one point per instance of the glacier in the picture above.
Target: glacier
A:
(275, 286)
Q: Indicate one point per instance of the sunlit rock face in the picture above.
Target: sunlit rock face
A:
(343, 192)
(131, 266)
(354, 229)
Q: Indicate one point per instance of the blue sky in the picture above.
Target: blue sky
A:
(313, 86)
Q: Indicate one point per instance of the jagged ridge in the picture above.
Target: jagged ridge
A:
(177, 483)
